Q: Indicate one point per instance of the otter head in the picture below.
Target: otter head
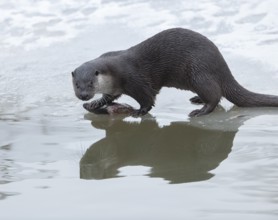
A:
(84, 79)
(91, 78)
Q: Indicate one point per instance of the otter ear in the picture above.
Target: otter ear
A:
(97, 72)
(72, 73)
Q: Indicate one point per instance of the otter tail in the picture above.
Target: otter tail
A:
(242, 97)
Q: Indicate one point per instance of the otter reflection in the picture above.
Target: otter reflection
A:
(178, 153)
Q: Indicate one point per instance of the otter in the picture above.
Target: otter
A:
(178, 58)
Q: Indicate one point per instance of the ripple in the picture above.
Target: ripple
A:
(230, 23)
(252, 18)
(4, 195)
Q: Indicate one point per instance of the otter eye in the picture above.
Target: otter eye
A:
(77, 86)
(96, 73)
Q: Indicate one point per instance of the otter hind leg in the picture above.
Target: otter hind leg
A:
(208, 108)
(96, 104)
(210, 93)
(196, 100)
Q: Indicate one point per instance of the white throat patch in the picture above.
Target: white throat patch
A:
(104, 84)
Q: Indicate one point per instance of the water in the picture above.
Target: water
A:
(59, 162)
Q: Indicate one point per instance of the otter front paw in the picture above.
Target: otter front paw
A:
(91, 106)
(139, 112)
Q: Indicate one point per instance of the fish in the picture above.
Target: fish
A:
(113, 108)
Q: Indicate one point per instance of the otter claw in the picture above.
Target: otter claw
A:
(195, 113)
(136, 114)
(198, 113)
(139, 112)
(91, 106)
(87, 106)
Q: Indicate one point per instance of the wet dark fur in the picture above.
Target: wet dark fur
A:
(177, 58)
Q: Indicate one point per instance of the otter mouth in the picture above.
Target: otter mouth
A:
(84, 97)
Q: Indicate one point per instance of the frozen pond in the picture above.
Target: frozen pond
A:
(59, 162)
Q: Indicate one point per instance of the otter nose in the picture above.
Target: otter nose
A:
(84, 97)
